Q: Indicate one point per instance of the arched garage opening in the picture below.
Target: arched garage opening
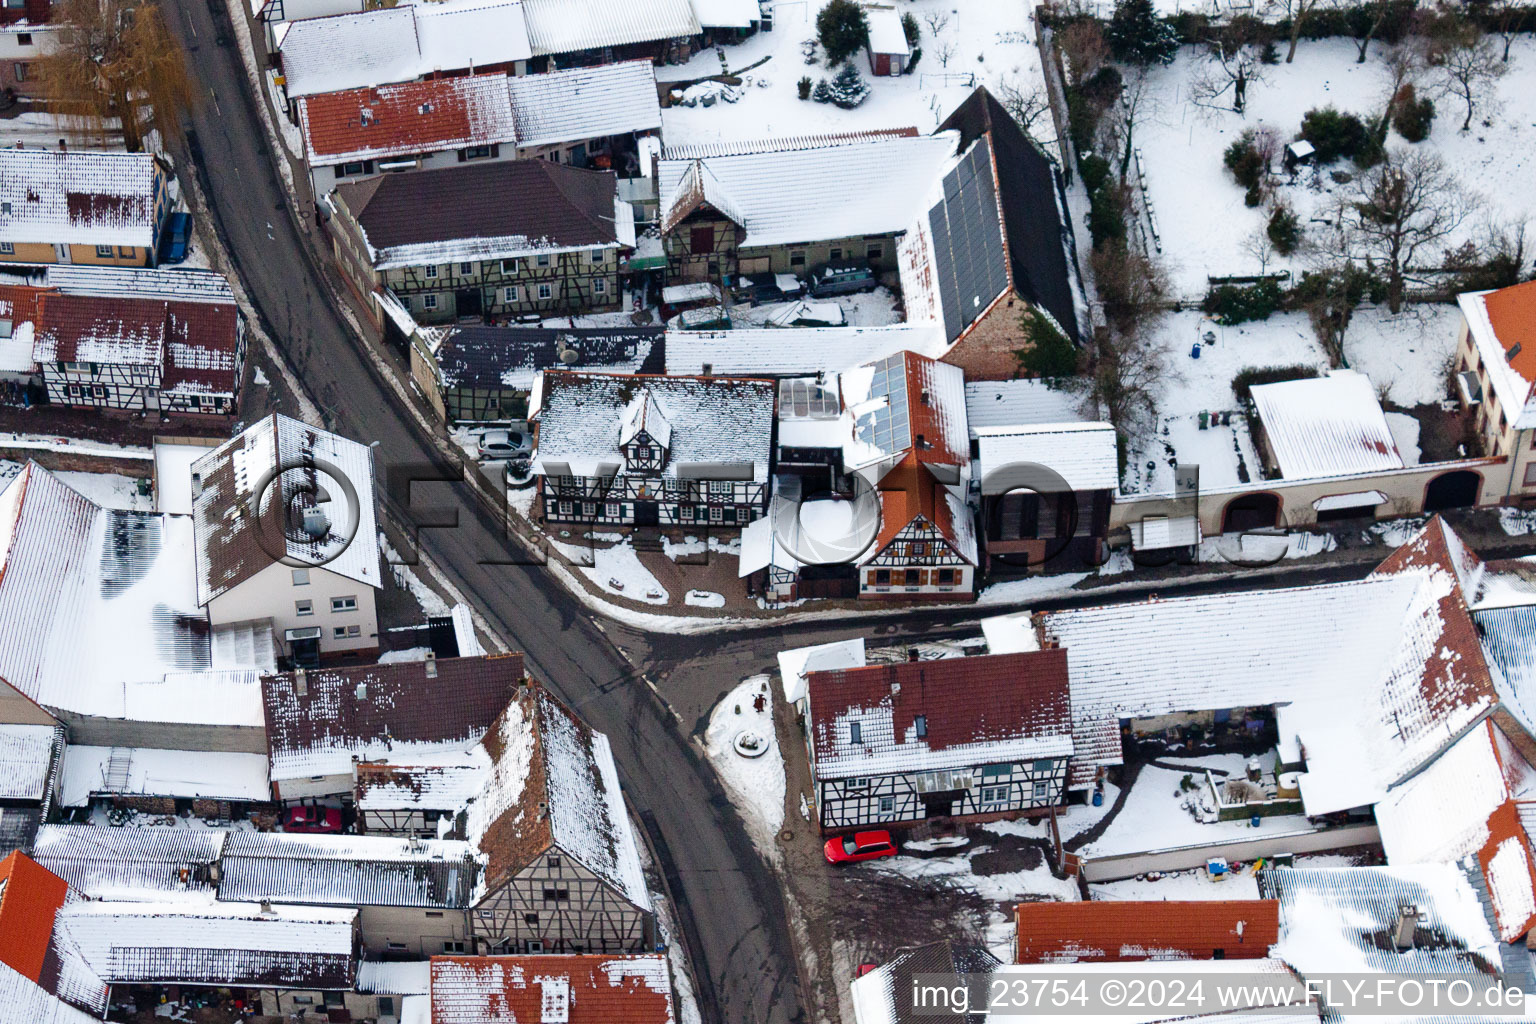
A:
(1456, 489)
(1251, 512)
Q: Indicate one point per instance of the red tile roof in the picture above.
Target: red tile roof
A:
(415, 117)
(600, 989)
(1512, 312)
(1146, 930)
(908, 492)
(999, 698)
(30, 896)
(194, 343)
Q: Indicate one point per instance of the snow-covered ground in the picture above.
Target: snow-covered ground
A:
(106, 489)
(431, 604)
(1030, 589)
(957, 870)
(988, 43)
(755, 784)
(1155, 815)
(618, 570)
(1199, 208)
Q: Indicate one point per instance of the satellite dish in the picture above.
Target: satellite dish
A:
(570, 356)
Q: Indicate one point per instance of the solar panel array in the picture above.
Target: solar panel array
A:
(970, 260)
(801, 398)
(887, 427)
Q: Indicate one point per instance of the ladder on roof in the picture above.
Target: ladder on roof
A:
(114, 776)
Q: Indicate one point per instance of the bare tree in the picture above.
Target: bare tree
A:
(1083, 49)
(1299, 11)
(1117, 128)
(1127, 378)
(1026, 104)
(1404, 207)
(1132, 287)
(946, 53)
(116, 57)
(1505, 16)
(1257, 244)
(1376, 11)
(937, 21)
(1403, 64)
(1467, 65)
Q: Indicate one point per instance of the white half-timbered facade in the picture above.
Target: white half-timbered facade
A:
(631, 450)
(562, 871)
(958, 738)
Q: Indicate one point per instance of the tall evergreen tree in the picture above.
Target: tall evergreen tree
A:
(1137, 35)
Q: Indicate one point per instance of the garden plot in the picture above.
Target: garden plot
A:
(1199, 208)
(989, 44)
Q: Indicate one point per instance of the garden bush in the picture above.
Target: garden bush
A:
(1094, 170)
(804, 85)
(1335, 134)
(843, 30)
(1284, 230)
(1235, 304)
(1137, 35)
(1049, 352)
(1249, 376)
(1106, 223)
(1412, 116)
(1245, 162)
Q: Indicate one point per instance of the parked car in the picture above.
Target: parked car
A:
(312, 819)
(763, 288)
(503, 444)
(859, 846)
(178, 235)
(842, 279)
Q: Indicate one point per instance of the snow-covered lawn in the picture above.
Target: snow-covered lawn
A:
(755, 784)
(618, 570)
(1155, 815)
(704, 599)
(1199, 208)
(1406, 353)
(989, 43)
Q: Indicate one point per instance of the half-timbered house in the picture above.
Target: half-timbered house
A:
(787, 205)
(972, 739)
(448, 245)
(652, 451)
(411, 800)
(562, 871)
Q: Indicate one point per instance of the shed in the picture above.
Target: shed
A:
(888, 49)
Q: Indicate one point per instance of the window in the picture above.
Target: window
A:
(994, 794)
(556, 895)
(344, 604)
(429, 271)
(104, 251)
(303, 1000)
(716, 514)
(465, 269)
(874, 252)
(344, 632)
(611, 511)
(477, 152)
(599, 286)
(6, 248)
(1042, 789)
(918, 548)
(23, 39)
(882, 577)
(589, 509)
(858, 783)
(1530, 474)
(720, 487)
(701, 240)
(546, 292)
(855, 732)
(686, 511)
(887, 805)
(433, 913)
(531, 920)
(74, 390)
(834, 255)
(509, 266)
(338, 998)
(353, 168)
(1044, 765)
(920, 724)
(541, 260)
(405, 302)
(797, 259)
(23, 69)
(452, 946)
(509, 294)
(598, 255)
(565, 508)
(946, 577)
(303, 607)
(992, 771)
(126, 251)
(429, 302)
(301, 577)
(98, 391)
(552, 862)
(386, 1006)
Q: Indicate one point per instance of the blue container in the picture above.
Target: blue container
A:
(1098, 798)
(1194, 351)
(1254, 821)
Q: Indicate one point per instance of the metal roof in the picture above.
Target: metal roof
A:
(345, 870)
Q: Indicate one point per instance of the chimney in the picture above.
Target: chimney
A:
(197, 485)
(912, 654)
(431, 664)
(63, 146)
(927, 399)
(895, 689)
(300, 682)
(1402, 932)
(922, 442)
(266, 908)
(415, 844)
(361, 693)
(543, 810)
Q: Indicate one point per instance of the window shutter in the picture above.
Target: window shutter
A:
(495, 149)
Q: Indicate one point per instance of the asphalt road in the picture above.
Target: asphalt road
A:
(730, 907)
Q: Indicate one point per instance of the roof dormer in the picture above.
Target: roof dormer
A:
(645, 434)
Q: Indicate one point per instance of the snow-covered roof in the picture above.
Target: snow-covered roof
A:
(796, 662)
(1117, 931)
(187, 284)
(406, 119)
(78, 198)
(806, 195)
(153, 771)
(398, 787)
(723, 425)
(1326, 426)
(954, 713)
(906, 402)
(1500, 325)
(399, 978)
(26, 1000)
(585, 103)
(1341, 920)
(727, 13)
(346, 870)
(569, 26)
(159, 863)
(586, 988)
(792, 351)
(253, 488)
(1159, 532)
(885, 32)
(221, 944)
(886, 994)
(1025, 402)
(121, 580)
(1509, 643)
(401, 44)
(18, 308)
(553, 784)
(1083, 454)
(1463, 804)
(1373, 677)
(404, 713)
(26, 760)
(731, 147)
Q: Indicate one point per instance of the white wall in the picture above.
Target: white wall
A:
(271, 593)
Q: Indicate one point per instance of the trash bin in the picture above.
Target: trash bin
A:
(1098, 798)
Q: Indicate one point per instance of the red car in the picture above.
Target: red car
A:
(312, 819)
(860, 846)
